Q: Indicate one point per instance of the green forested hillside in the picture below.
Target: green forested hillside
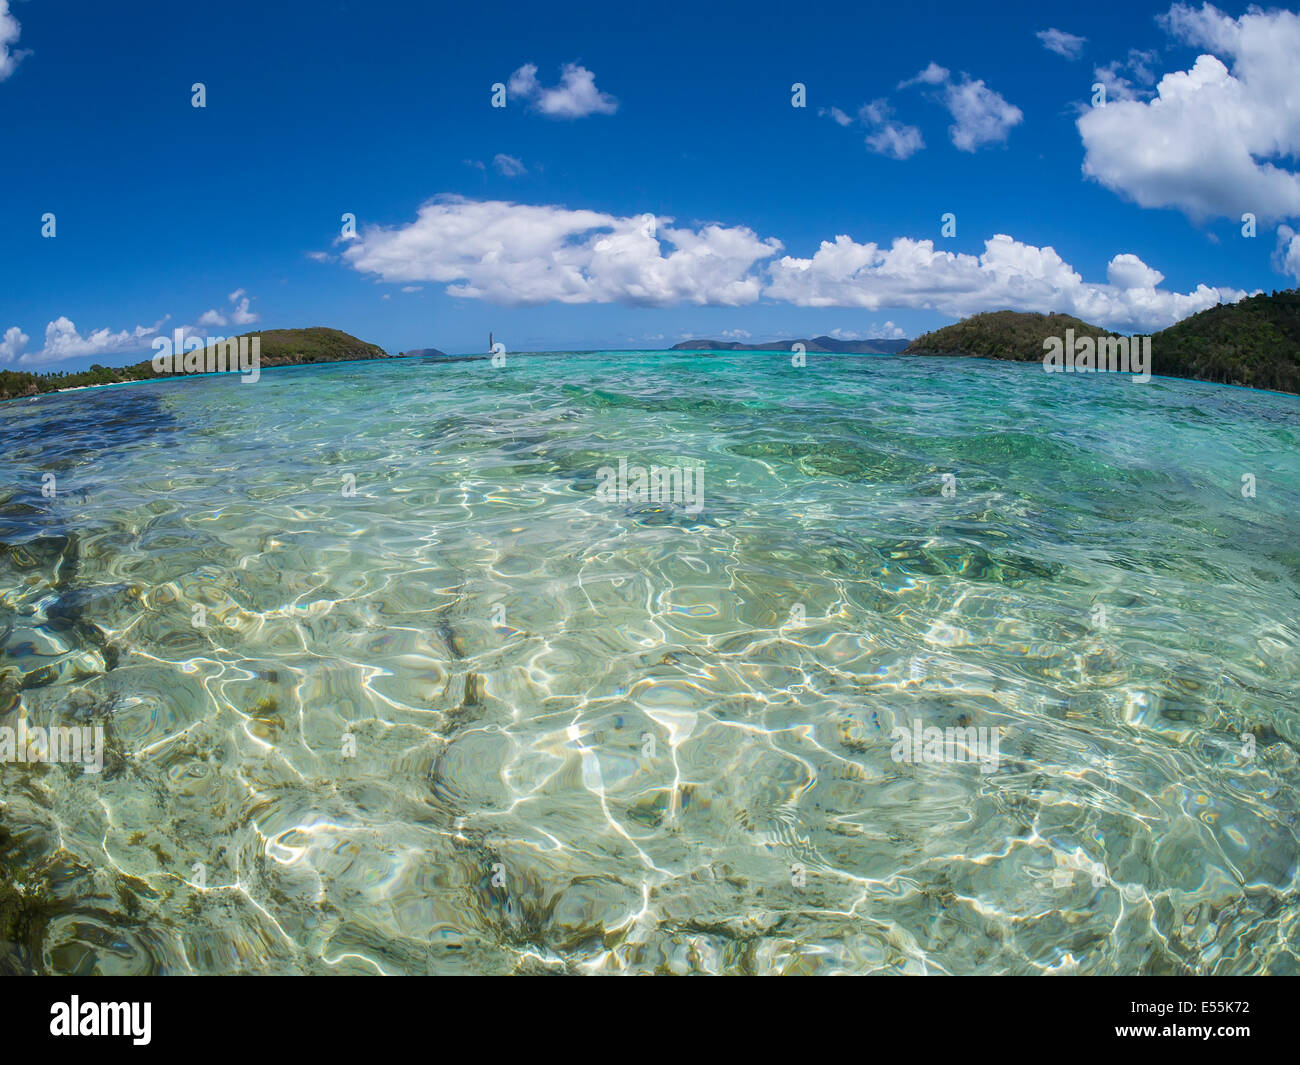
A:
(1255, 342)
(279, 347)
(1016, 335)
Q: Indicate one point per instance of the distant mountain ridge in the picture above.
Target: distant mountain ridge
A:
(822, 344)
(1254, 343)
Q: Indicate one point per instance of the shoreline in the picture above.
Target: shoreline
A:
(165, 378)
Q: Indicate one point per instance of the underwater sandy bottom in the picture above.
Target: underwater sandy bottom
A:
(387, 683)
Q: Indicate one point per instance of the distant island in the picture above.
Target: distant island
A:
(279, 347)
(1254, 343)
(824, 345)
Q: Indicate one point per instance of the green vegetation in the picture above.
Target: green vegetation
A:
(1015, 335)
(1255, 342)
(279, 347)
(292, 347)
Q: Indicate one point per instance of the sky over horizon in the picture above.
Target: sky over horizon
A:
(649, 178)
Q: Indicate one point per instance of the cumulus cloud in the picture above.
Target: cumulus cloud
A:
(913, 274)
(1063, 44)
(1286, 260)
(63, 341)
(518, 254)
(575, 97)
(240, 314)
(14, 343)
(980, 115)
(508, 165)
(10, 57)
(1213, 141)
(524, 255)
(1127, 271)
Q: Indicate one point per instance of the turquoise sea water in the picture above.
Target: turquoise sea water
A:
(476, 718)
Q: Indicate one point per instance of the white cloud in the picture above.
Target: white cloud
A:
(888, 331)
(523, 255)
(1120, 76)
(735, 334)
(1286, 259)
(911, 273)
(62, 341)
(319, 256)
(931, 75)
(1063, 44)
(886, 137)
(895, 141)
(980, 115)
(875, 113)
(240, 315)
(1212, 141)
(9, 30)
(1129, 272)
(13, 345)
(523, 82)
(508, 165)
(575, 97)
(517, 254)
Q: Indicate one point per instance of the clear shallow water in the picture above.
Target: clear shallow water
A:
(597, 736)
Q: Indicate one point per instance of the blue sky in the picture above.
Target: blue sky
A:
(530, 220)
